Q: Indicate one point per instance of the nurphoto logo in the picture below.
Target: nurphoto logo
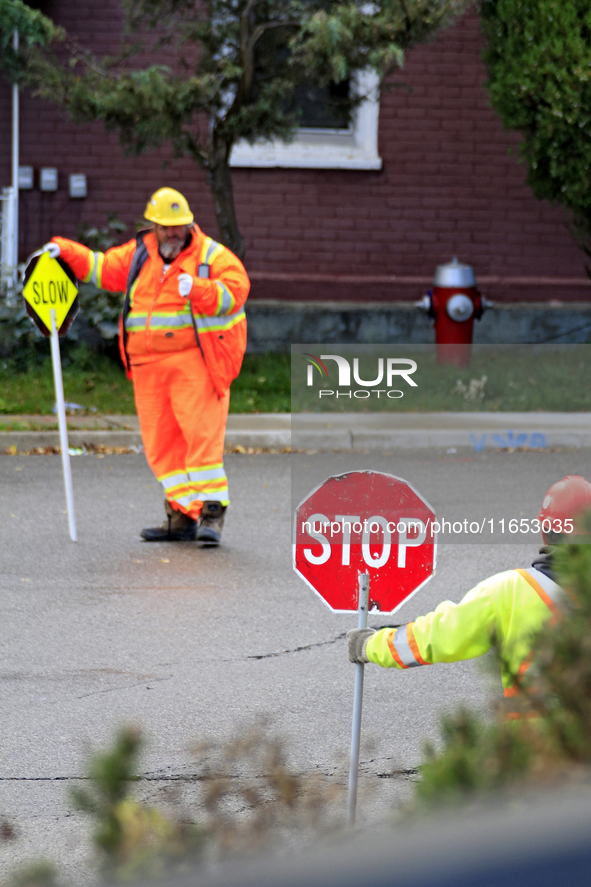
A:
(389, 370)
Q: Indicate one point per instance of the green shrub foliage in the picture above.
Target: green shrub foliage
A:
(538, 57)
(553, 739)
(246, 799)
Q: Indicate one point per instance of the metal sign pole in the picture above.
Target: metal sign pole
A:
(357, 703)
(61, 415)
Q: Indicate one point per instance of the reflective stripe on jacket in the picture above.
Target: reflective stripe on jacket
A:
(507, 610)
(157, 319)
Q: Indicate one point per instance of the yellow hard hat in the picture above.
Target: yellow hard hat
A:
(168, 207)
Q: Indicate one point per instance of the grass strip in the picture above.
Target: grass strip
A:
(99, 384)
(500, 378)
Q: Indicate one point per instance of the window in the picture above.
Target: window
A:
(326, 141)
(321, 107)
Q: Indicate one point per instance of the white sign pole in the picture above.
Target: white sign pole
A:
(357, 703)
(61, 415)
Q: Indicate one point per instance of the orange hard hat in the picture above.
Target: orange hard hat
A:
(563, 505)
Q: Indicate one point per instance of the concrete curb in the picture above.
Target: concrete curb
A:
(475, 431)
(29, 440)
(343, 431)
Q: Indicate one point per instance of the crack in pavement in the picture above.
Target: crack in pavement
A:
(205, 777)
(301, 649)
(43, 778)
(405, 774)
(126, 687)
(188, 777)
(306, 647)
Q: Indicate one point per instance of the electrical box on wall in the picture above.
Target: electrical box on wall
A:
(77, 185)
(48, 178)
(26, 178)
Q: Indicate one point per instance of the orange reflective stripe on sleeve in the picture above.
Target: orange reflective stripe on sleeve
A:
(403, 647)
(393, 650)
(413, 644)
(548, 594)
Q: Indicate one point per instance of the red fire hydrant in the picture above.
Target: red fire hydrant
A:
(453, 304)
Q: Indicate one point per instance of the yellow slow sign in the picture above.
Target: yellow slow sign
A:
(49, 287)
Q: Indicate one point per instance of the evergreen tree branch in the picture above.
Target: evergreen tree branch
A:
(235, 68)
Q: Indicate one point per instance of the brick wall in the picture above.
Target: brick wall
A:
(449, 186)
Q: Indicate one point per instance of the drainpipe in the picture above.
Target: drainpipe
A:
(15, 159)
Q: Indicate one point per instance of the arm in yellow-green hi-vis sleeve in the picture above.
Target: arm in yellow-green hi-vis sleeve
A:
(450, 633)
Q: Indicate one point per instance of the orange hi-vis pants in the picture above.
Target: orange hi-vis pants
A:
(183, 424)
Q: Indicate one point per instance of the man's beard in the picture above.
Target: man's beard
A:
(170, 248)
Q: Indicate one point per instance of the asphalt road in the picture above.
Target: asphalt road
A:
(197, 644)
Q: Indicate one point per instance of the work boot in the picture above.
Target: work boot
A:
(178, 527)
(211, 522)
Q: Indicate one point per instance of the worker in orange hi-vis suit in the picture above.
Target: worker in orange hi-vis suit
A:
(182, 340)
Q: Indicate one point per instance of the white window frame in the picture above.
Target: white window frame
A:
(352, 148)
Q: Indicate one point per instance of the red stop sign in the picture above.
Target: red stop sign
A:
(364, 521)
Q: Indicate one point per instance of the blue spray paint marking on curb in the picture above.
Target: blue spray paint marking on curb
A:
(511, 441)
(537, 441)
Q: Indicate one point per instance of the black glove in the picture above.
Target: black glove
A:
(357, 639)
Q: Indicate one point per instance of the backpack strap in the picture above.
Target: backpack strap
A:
(140, 258)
